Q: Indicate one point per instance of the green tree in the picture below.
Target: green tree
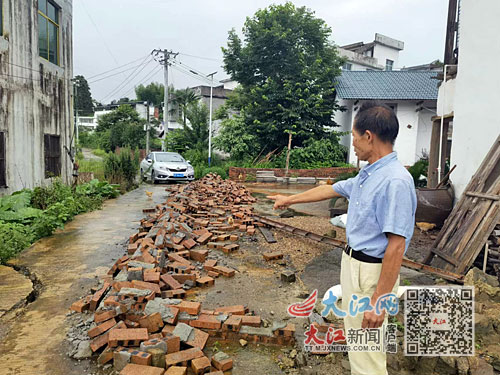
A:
(122, 127)
(235, 139)
(183, 99)
(152, 93)
(83, 101)
(287, 69)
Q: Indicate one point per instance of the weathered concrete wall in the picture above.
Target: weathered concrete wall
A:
(35, 95)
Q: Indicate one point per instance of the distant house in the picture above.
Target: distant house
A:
(381, 54)
(412, 95)
(36, 117)
(469, 94)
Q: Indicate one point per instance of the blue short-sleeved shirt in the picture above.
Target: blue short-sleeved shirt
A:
(382, 200)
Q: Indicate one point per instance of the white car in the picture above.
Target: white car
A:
(166, 166)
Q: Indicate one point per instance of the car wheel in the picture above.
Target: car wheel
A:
(153, 179)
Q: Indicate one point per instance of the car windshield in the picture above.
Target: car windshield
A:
(164, 157)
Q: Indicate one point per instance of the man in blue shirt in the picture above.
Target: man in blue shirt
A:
(380, 223)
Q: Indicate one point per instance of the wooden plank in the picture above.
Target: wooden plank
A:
(268, 235)
(446, 257)
(485, 196)
(432, 177)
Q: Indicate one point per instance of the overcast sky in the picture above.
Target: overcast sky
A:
(110, 33)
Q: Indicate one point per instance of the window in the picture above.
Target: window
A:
(52, 150)
(388, 64)
(347, 66)
(48, 31)
(3, 167)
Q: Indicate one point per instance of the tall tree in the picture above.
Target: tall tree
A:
(287, 69)
(184, 98)
(152, 93)
(83, 101)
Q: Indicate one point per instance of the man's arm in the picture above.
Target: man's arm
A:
(319, 193)
(391, 265)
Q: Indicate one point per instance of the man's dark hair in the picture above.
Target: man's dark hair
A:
(378, 118)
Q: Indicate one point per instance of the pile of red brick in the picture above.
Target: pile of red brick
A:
(143, 322)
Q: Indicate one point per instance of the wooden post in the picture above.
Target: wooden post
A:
(444, 147)
(288, 153)
(485, 261)
(432, 176)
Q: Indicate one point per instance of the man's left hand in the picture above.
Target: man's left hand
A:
(372, 320)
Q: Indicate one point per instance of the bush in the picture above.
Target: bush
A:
(419, 172)
(100, 153)
(219, 170)
(122, 169)
(94, 166)
(13, 239)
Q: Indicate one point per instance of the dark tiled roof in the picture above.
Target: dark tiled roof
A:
(388, 85)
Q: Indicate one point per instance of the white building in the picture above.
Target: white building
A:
(412, 94)
(36, 119)
(470, 95)
(381, 54)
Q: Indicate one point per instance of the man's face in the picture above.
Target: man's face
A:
(363, 144)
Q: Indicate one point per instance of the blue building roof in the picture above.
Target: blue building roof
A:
(388, 85)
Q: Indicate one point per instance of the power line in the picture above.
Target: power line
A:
(192, 73)
(148, 76)
(118, 67)
(128, 78)
(115, 74)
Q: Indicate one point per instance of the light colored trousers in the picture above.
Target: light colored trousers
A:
(361, 278)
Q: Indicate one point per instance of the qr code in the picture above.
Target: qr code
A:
(439, 321)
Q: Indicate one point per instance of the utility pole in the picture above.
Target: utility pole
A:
(164, 61)
(211, 75)
(147, 128)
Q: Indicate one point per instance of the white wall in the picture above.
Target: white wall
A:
(410, 139)
(477, 89)
(35, 95)
(381, 53)
(423, 145)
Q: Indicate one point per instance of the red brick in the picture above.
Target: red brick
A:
(200, 365)
(152, 323)
(213, 274)
(167, 329)
(102, 315)
(153, 277)
(223, 237)
(183, 356)
(203, 239)
(222, 365)
(215, 373)
(273, 255)
(98, 296)
(230, 248)
(146, 286)
(102, 340)
(176, 370)
(182, 277)
(234, 310)
(127, 337)
(105, 357)
(176, 293)
(233, 237)
(177, 258)
(101, 328)
(133, 369)
(253, 321)
(136, 356)
(173, 342)
(200, 339)
(233, 323)
(212, 245)
(205, 281)
(81, 305)
(209, 264)
(206, 322)
(171, 282)
(198, 255)
(243, 228)
(189, 243)
(224, 271)
(118, 285)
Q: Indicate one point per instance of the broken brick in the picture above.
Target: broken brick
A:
(222, 362)
(81, 305)
(198, 255)
(102, 315)
(273, 255)
(213, 274)
(101, 328)
(204, 238)
(189, 243)
(98, 296)
(173, 342)
(209, 264)
(205, 281)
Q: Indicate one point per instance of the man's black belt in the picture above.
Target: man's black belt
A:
(359, 255)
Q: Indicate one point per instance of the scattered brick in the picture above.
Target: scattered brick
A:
(81, 305)
(127, 337)
(173, 342)
(250, 320)
(273, 255)
(198, 255)
(198, 339)
(224, 271)
(176, 370)
(235, 310)
(182, 357)
(152, 323)
(205, 281)
(206, 322)
(209, 264)
(171, 282)
(213, 274)
(230, 248)
(222, 362)
(101, 328)
(233, 323)
(233, 237)
(98, 296)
